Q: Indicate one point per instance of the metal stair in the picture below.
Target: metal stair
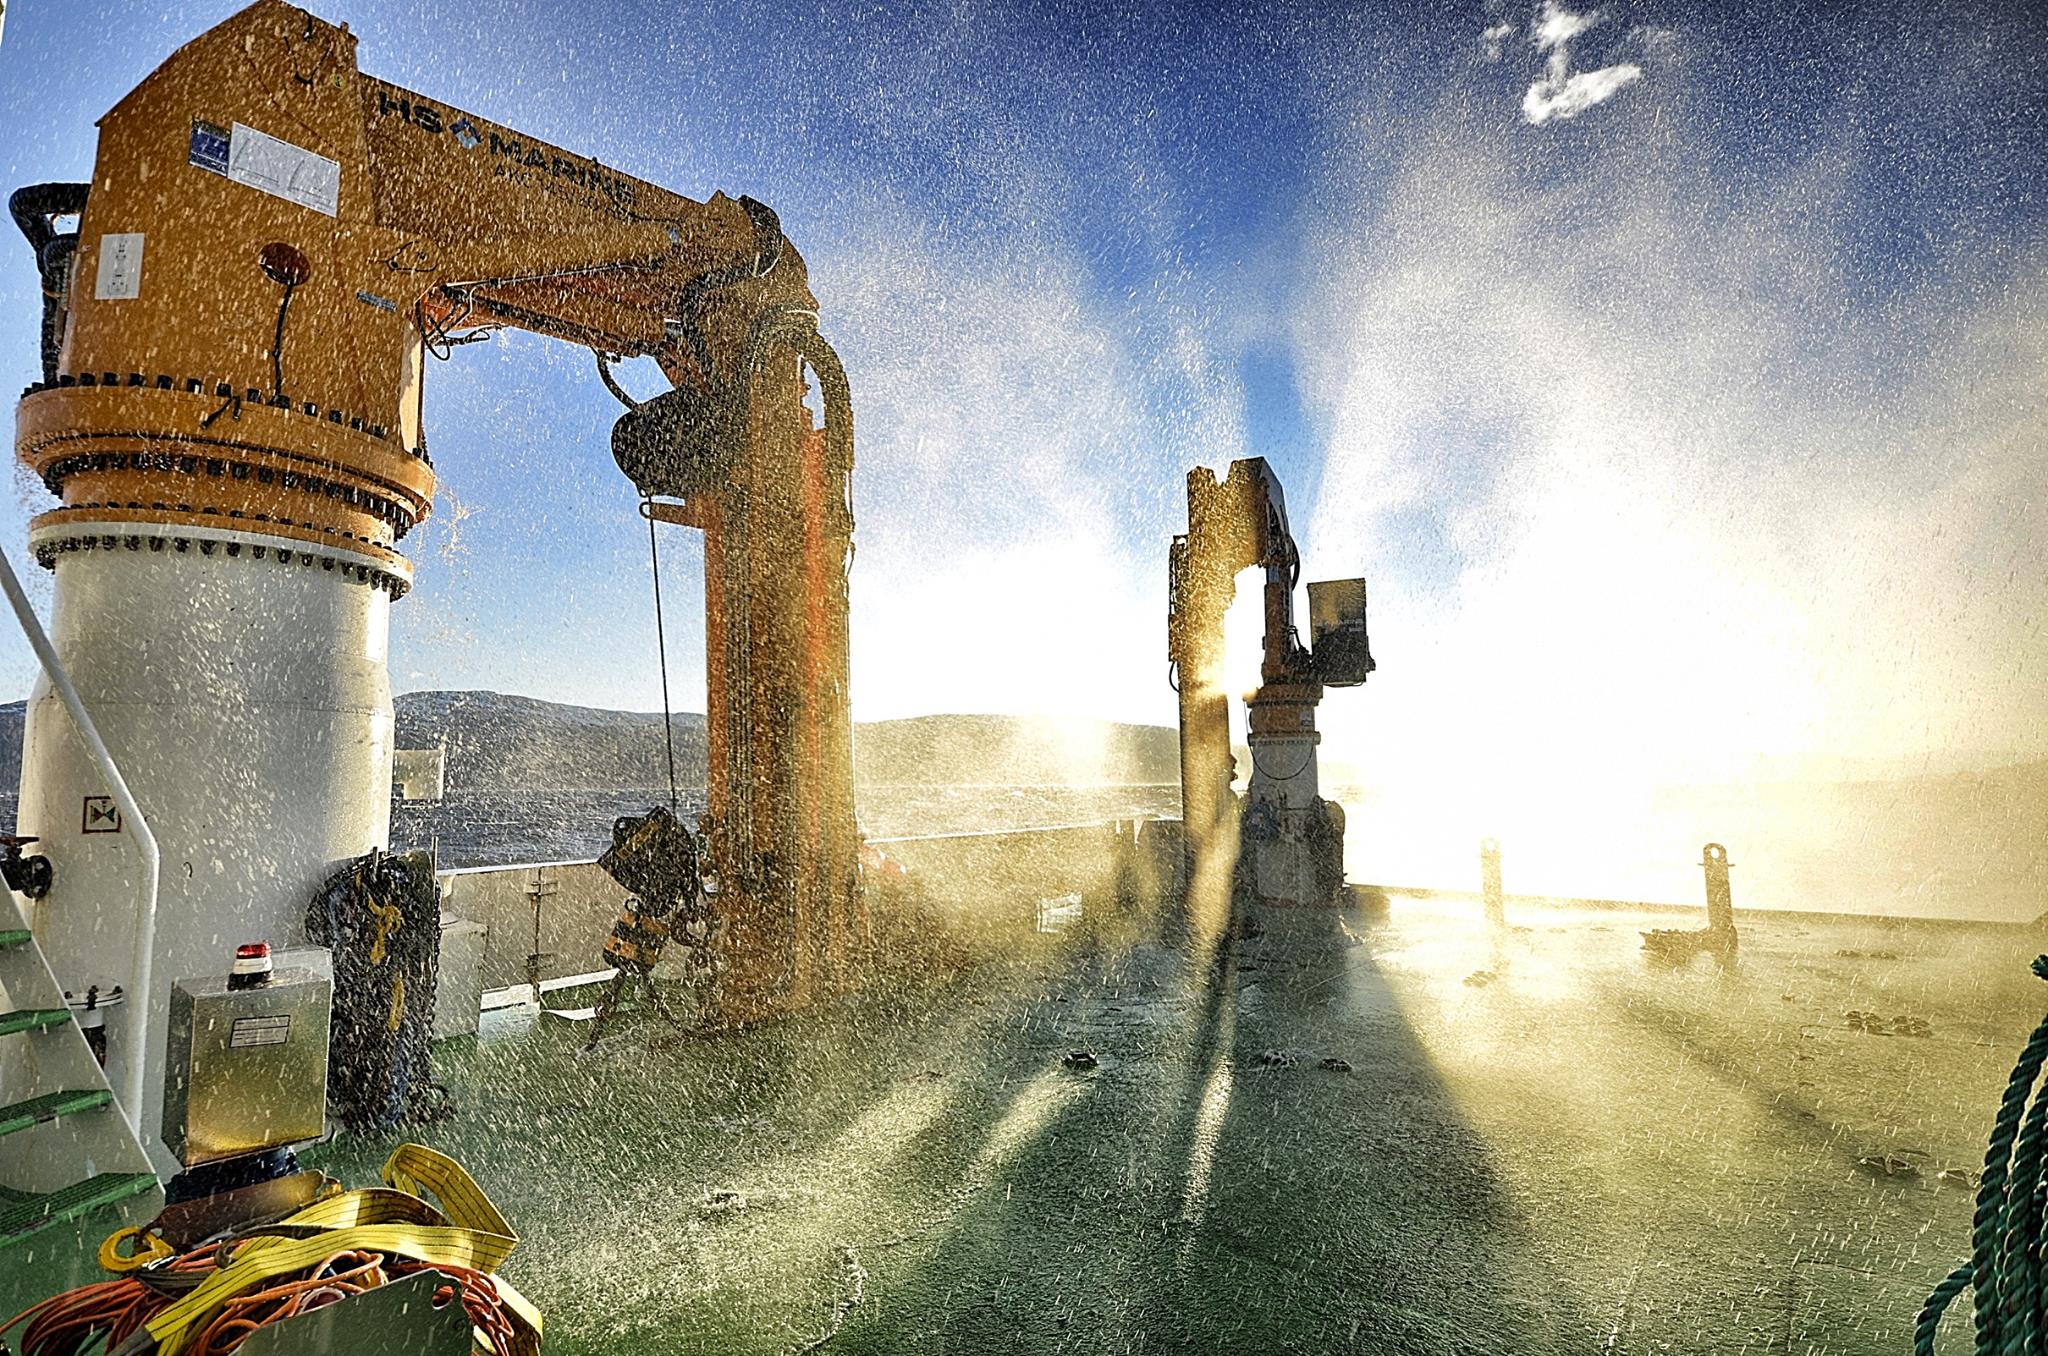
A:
(32, 1019)
(48, 1107)
(66, 1151)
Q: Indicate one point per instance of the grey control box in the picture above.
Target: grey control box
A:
(247, 1068)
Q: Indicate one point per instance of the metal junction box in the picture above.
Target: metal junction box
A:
(1336, 621)
(247, 1067)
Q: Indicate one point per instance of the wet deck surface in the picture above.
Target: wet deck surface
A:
(1542, 1145)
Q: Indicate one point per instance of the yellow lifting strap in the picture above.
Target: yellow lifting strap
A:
(466, 1231)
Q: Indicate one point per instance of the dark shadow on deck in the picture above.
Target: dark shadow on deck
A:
(1193, 1197)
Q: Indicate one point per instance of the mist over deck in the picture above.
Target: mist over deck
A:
(1534, 1143)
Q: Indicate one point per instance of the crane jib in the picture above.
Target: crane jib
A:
(473, 134)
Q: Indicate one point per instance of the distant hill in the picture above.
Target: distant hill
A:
(1943, 842)
(1014, 751)
(11, 717)
(497, 741)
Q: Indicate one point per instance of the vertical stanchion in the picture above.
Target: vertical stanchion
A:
(1720, 900)
(1489, 883)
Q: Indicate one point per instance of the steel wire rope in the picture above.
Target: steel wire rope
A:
(668, 729)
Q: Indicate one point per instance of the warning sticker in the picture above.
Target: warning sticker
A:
(120, 275)
(286, 171)
(101, 815)
(248, 1031)
(209, 146)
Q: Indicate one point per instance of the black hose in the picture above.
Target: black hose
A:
(35, 208)
(277, 346)
(611, 383)
(798, 328)
(768, 246)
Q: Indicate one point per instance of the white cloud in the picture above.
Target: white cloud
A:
(1555, 26)
(1560, 92)
(1561, 95)
(1493, 39)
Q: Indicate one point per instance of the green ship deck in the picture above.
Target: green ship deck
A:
(1542, 1144)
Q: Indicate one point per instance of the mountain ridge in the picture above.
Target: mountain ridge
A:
(504, 741)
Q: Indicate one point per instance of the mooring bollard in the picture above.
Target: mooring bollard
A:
(1675, 946)
(1720, 901)
(1489, 882)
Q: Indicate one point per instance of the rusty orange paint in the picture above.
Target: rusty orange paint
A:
(441, 224)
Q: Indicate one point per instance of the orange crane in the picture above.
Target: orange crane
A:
(1285, 845)
(271, 248)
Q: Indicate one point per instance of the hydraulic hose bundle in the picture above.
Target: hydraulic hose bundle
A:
(207, 1301)
(35, 209)
(2007, 1268)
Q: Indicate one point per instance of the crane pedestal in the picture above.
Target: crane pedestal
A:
(1292, 840)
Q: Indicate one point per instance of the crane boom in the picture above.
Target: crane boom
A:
(230, 414)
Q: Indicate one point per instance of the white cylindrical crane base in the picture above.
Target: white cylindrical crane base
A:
(247, 700)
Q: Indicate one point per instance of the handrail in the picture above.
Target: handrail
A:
(145, 925)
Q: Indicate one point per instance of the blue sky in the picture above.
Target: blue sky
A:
(1673, 371)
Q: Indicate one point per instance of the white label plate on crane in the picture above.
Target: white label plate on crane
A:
(283, 170)
(120, 272)
(270, 1030)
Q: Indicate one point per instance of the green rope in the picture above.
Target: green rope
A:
(2008, 1240)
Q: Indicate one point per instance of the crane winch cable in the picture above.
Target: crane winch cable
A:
(668, 731)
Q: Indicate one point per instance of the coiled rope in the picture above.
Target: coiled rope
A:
(208, 1300)
(2007, 1236)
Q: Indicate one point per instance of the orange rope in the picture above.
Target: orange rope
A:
(338, 1277)
(480, 1301)
(66, 1324)
(110, 1312)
